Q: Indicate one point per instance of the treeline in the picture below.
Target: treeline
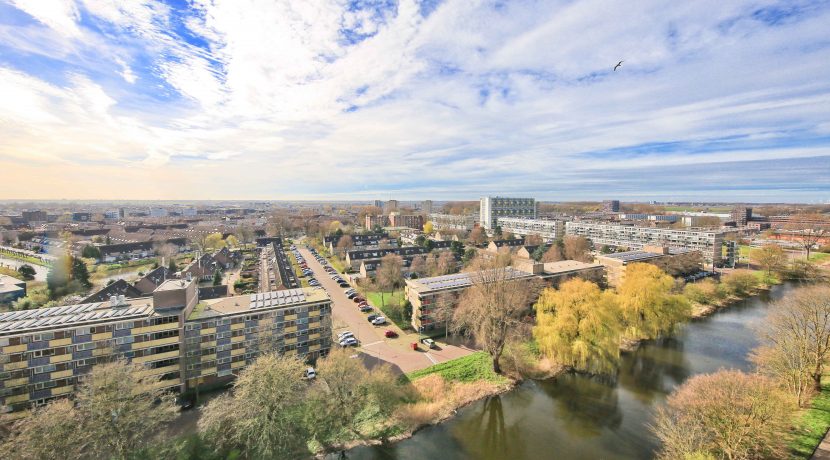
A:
(733, 414)
(272, 412)
(582, 327)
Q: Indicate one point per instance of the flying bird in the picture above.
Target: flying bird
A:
(618, 64)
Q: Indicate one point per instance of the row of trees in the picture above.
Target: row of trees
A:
(736, 415)
(582, 327)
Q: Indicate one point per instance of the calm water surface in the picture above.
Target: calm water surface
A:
(578, 417)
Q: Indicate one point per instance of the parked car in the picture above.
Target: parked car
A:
(349, 342)
(358, 299)
(365, 308)
(371, 318)
(344, 334)
(310, 373)
(429, 342)
(390, 334)
(379, 320)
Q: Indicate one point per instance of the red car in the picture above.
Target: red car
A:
(390, 334)
(359, 299)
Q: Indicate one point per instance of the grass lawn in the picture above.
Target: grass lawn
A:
(475, 367)
(396, 316)
(819, 256)
(336, 263)
(811, 424)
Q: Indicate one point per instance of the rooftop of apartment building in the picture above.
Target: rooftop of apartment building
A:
(457, 280)
(243, 303)
(122, 309)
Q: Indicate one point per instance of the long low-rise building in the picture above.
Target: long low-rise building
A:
(425, 294)
(463, 222)
(548, 229)
(709, 242)
(185, 340)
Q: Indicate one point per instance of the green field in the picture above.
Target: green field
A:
(811, 424)
(394, 315)
(475, 367)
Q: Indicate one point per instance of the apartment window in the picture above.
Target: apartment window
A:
(121, 326)
(123, 340)
(43, 369)
(82, 331)
(85, 346)
(43, 336)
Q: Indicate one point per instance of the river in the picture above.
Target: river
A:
(579, 417)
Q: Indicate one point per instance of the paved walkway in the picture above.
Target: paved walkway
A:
(823, 450)
(373, 344)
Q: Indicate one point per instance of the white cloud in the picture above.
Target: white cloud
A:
(464, 95)
(60, 15)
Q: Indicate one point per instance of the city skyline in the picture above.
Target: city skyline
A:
(406, 100)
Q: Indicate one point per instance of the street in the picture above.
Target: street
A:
(376, 347)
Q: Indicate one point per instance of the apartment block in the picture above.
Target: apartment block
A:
(741, 216)
(493, 207)
(185, 340)
(611, 206)
(453, 222)
(633, 237)
(397, 219)
(425, 294)
(549, 230)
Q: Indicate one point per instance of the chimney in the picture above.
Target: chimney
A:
(113, 301)
(121, 299)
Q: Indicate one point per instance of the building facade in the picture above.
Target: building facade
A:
(741, 216)
(611, 206)
(406, 220)
(628, 236)
(549, 230)
(425, 294)
(493, 207)
(464, 222)
(185, 340)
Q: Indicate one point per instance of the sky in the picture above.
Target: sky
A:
(319, 99)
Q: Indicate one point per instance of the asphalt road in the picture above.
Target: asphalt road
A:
(373, 343)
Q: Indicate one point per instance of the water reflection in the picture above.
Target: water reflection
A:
(582, 417)
(585, 406)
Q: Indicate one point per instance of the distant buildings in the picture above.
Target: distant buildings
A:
(682, 260)
(426, 207)
(549, 230)
(741, 216)
(35, 216)
(391, 205)
(493, 207)
(397, 219)
(628, 236)
(453, 221)
(376, 221)
(611, 205)
(175, 334)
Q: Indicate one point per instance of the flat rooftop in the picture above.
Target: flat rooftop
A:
(73, 315)
(638, 256)
(457, 280)
(243, 303)
(568, 266)
(173, 285)
(9, 284)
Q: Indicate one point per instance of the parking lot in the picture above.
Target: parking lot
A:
(372, 343)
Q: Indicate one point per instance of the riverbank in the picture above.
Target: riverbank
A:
(437, 393)
(703, 310)
(811, 427)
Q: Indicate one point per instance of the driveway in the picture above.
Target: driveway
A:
(373, 344)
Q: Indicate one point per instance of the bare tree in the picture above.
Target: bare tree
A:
(729, 415)
(446, 263)
(344, 244)
(444, 309)
(477, 236)
(802, 320)
(770, 257)
(389, 273)
(418, 265)
(553, 254)
(533, 240)
(578, 248)
(492, 308)
(811, 229)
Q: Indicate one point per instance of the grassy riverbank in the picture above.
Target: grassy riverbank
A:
(811, 424)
